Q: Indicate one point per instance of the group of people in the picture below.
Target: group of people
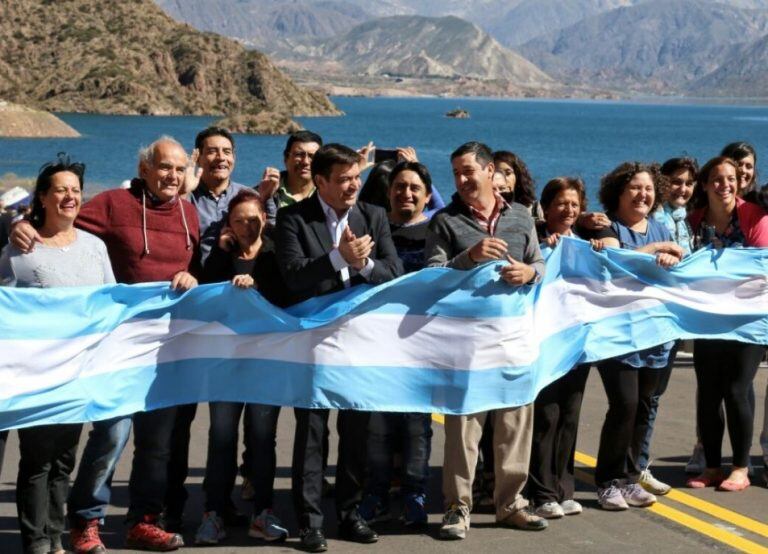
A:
(310, 230)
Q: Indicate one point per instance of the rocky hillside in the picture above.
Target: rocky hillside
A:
(22, 122)
(128, 56)
(659, 46)
(744, 75)
(262, 22)
(415, 46)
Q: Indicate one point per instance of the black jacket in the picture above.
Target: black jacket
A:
(220, 266)
(303, 244)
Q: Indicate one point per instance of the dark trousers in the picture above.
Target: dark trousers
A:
(724, 373)
(644, 454)
(629, 390)
(47, 458)
(3, 439)
(260, 423)
(413, 432)
(555, 425)
(178, 464)
(307, 471)
(152, 433)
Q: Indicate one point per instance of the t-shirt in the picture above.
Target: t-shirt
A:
(655, 357)
(84, 262)
(409, 242)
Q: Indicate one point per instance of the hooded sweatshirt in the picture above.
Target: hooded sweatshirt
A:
(147, 239)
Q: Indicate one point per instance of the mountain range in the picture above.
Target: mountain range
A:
(669, 47)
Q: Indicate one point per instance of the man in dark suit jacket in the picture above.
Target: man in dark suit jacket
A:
(324, 244)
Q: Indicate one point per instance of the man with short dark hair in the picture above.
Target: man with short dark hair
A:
(477, 227)
(296, 180)
(326, 243)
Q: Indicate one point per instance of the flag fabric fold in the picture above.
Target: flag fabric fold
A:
(439, 340)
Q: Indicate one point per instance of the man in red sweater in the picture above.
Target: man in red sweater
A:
(151, 235)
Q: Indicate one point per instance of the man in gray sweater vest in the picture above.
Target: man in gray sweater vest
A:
(476, 227)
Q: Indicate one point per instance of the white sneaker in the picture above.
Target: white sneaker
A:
(550, 510)
(610, 498)
(637, 496)
(571, 507)
(211, 530)
(651, 484)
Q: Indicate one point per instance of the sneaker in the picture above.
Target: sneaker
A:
(697, 464)
(637, 496)
(651, 484)
(211, 530)
(550, 510)
(267, 526)
(147, 535)
(373, 510)
(247, 492)
(86, 540)
(455, 523)
(415, 512)
(610, 498)
(571, 507)
(526, 520)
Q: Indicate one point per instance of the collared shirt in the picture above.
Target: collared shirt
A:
(281, 199)
(491, 222)
(336, 226)
(212, 212)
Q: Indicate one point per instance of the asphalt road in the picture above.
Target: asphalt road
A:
(685, 521)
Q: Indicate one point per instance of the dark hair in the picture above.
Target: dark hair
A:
(213, 132)
(243, 196)
(699, 199)
(737, 151)
(418, 168)
(331, 154)
(301, 136)
(44, 180)
(482, 153)
(525, 189)
(374, 189)
(612, 185)
(559, 184)
(673, 165)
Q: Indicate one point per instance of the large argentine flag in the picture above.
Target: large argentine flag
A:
(439, 340)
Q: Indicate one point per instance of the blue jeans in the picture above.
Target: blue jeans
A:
(260, 423)
(414, 431)
(91, 492)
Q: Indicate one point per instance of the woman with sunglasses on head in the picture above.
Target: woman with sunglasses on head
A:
(725, 369)
(67, 257)
(244, 256)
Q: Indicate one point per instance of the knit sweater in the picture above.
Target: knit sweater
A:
(453, 231)
(147, 240)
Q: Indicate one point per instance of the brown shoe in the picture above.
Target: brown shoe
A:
(526, 520)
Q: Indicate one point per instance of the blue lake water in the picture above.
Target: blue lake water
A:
(583, 138)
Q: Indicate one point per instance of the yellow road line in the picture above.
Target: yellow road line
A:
(686, 520)
(708, 508)
(681, 518)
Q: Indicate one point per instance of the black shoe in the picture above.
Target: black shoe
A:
(357, 530)
(312, 540)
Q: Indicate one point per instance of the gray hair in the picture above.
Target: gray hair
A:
(147, 153)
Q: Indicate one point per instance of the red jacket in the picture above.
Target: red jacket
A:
(752, 220)
(146, 240)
